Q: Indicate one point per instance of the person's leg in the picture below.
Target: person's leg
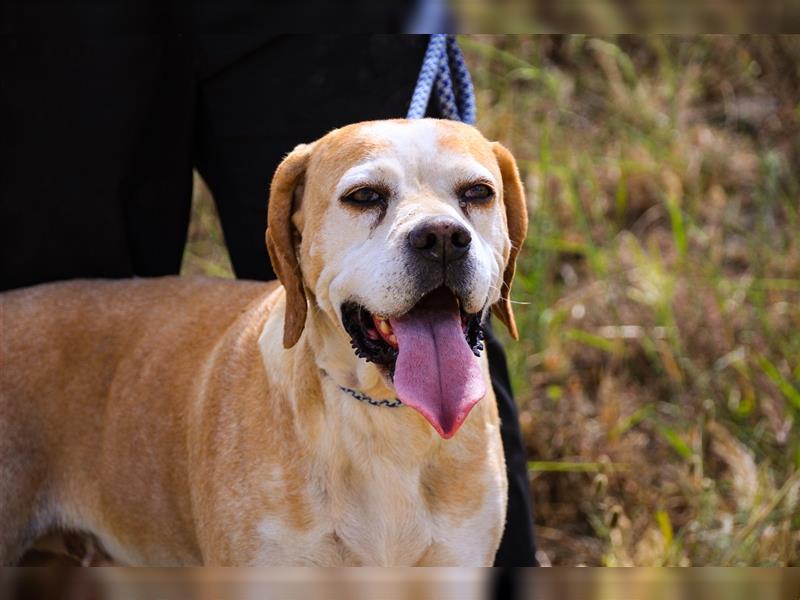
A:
(95, 165)
(291, 90)
(517, 548)
(294, 90)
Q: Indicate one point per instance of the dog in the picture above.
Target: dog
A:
(344, 417)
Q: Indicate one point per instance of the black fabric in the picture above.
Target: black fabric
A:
(95, 142)
(293, 89)
(517, 548)
(99, 133)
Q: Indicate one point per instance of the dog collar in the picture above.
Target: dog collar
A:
(364, 398)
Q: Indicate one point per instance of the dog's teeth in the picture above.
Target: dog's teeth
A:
(384, 326)
(393, 339)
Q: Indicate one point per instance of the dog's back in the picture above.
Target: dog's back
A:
(122, 330)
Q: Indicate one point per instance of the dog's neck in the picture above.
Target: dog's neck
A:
(334, 355)
(311, 376)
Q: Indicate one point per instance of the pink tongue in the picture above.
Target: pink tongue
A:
(436, 372)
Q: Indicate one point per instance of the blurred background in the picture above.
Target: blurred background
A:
(658, 296)
(419, 583)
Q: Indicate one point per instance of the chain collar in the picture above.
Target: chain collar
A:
(364, 398)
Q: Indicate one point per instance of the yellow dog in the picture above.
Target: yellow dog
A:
(334, 420)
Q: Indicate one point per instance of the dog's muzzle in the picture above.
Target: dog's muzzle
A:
(430, 354)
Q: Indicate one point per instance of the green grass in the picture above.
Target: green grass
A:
(658, 374)
(660, 301)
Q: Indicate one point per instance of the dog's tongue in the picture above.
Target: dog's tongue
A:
(436, 372)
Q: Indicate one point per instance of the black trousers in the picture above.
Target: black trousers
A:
(100, 134)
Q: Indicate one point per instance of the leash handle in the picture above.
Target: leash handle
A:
(445, 71)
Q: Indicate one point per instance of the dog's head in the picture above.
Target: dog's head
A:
(403, 235)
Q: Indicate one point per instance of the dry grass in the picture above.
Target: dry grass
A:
(659, 372)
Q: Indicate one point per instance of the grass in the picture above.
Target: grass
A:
(658, 374)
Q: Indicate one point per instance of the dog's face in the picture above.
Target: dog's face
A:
(403, 234)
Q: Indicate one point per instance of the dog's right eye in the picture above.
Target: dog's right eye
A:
(364, 197)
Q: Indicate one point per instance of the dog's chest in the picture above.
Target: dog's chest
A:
(362, 517)
(378, 517)
(383, 519)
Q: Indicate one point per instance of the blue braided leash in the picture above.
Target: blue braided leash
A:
(444, 70)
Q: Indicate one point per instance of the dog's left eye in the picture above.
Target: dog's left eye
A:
(364, 197)
(477, 193)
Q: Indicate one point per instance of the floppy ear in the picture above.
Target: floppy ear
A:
(517, 222)
(283, 239)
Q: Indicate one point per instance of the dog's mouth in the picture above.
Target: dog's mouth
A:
(430, 353)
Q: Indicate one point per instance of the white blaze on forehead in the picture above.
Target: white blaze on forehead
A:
(408, 139)
(411, 153)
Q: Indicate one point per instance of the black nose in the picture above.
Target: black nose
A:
(441, 239)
